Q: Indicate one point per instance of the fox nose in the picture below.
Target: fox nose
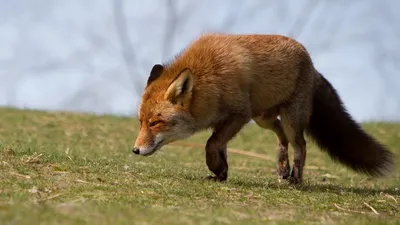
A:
(136, 151)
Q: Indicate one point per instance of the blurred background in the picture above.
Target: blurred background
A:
(95, 55)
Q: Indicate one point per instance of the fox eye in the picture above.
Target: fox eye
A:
(152, 124)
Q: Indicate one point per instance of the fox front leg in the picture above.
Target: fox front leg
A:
(217, 162)
(216, 148)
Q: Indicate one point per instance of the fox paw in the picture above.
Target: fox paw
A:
(295, 179)
(283, 172)
(216, 178)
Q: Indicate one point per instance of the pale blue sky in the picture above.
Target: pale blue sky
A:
(67, 55)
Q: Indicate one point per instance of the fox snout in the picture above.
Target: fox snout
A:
(136, 150)
(145, 151)
(147, 144)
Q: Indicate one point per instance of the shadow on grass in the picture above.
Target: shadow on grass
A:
(284, 185)
(317, 187)
(355, 190)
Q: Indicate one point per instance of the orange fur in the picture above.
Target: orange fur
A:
(223, 81)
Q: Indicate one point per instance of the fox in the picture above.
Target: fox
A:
(220, 82)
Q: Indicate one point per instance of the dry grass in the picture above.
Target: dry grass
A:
(70, 168)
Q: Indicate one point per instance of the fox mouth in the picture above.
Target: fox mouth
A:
(156, 148)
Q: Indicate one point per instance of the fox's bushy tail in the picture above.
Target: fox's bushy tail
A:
(335, 132)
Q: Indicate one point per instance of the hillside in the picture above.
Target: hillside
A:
(71, 168)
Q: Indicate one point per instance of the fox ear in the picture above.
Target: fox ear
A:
(180, 90)
(155, 73)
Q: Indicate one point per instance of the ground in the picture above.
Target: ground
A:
(70, 168)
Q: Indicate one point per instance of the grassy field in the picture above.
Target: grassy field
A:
(64, 168)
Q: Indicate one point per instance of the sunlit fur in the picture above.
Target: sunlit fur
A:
(223, 81)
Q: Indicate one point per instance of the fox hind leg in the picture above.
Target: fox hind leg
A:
(274, 124)
(295, 117)
(296, 139)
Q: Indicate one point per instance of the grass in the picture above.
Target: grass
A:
(70, 168)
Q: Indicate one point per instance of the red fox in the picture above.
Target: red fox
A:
(222, 81)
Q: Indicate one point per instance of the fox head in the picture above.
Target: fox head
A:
(164, 113)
